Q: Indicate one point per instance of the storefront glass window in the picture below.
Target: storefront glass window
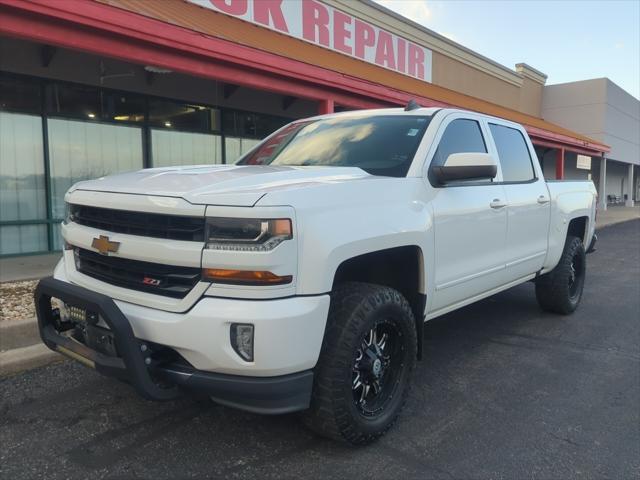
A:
(94, 131)
(17, 94)
(22, 187)
(93, 104)
(122, 107)
(236, 147)
(183, 116)
(84, 150)
(16, 239)
(267, 124)
(182, 148)
(253, 125)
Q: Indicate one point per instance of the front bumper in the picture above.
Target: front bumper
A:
(288, 331)
(161, 381)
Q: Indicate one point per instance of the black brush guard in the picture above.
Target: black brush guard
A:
(128, 366)
(267, 395)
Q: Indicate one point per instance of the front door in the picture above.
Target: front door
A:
(470, 223)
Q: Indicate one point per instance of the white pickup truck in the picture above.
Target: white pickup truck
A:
(300, 278)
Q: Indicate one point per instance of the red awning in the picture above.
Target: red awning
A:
(104, 30)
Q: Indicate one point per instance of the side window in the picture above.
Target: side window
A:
(515, 158)
(461, 136)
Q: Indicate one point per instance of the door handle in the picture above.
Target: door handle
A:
(542, 199)
(497, 203)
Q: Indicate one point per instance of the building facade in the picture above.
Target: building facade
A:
(605, 112)
(93, 87)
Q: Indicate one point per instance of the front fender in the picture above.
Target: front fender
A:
(331, 235)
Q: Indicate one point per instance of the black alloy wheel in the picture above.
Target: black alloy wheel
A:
(377, 368)
(362, 378)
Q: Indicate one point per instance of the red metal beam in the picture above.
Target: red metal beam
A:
(560, 164)
(594, 149)
(326, 106)
(568, 148)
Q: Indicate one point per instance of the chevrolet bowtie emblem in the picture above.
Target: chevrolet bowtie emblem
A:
(104, 245)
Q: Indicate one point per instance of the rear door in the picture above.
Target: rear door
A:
(470, 221)
(528, 203)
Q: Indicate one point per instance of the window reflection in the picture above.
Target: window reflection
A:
(182, 148)
(23, 239)
(382, 145)
(321, 144)
(81, 150)
(22, 189)
(236, 147)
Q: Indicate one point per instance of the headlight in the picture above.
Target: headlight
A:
(247, 234)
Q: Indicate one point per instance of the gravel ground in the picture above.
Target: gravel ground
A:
(16, 300)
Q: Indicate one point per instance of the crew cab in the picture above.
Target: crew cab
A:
(300, 277)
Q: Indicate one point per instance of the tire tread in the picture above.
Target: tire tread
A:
(552, 288)
(327, 416)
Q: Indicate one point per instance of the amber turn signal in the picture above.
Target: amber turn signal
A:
(282, 227)
(244, 277)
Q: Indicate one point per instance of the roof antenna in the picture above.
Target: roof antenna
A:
(412, 105)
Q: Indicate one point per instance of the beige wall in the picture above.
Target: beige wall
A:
(600, 109)
(461, 77)
(452, 74)
(455, 66)
(531, 97)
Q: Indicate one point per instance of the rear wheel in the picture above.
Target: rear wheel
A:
(560, 290)
(363, 374)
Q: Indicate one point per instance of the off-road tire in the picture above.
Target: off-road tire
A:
(553, 290)
(356, 308)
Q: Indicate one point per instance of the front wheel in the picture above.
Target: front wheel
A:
(560, 290)
(363, 375)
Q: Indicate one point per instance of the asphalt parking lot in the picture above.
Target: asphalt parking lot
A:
(504, 391)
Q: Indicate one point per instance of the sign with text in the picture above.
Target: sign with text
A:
(583, 162)
(320, 24)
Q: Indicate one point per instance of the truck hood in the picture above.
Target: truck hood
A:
(229, 185)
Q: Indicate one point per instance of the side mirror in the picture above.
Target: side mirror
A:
(466, 166)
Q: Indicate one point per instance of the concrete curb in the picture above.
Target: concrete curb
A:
(18, 333)
(19, 359)
(21, 347)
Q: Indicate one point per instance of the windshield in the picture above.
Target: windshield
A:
(379, 145)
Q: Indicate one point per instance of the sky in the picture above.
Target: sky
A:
(567, 40)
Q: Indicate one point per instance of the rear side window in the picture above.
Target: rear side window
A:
(461, 136)
(515, 158)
